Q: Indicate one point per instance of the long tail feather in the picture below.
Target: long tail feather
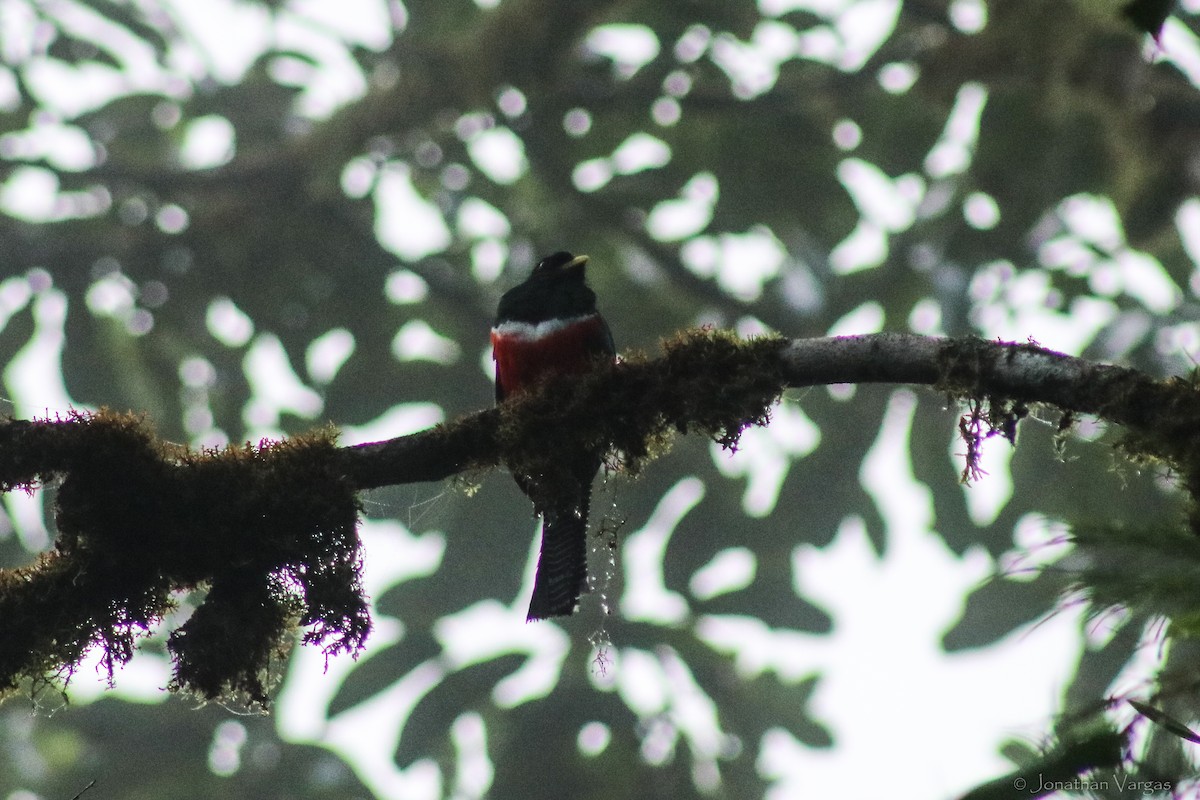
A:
(562, 564)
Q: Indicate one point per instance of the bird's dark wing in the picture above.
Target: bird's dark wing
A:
(603, 342)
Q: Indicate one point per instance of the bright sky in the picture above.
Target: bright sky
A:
(929, 722)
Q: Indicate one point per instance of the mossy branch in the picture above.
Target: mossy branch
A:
(269, 531)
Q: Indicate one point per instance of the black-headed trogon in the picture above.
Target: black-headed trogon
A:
(546, 326)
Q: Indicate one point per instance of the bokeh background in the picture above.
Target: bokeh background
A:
(246, 219)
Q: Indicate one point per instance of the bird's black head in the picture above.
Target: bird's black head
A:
(560, 265)
(555, 290)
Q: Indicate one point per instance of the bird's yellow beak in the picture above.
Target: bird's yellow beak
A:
(577, 261)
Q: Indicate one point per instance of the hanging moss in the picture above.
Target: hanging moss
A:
(268, 529)
(708, 382)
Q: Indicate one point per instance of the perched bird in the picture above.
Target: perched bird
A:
(546, 326)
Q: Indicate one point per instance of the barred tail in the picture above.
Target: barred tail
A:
(562, 565)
